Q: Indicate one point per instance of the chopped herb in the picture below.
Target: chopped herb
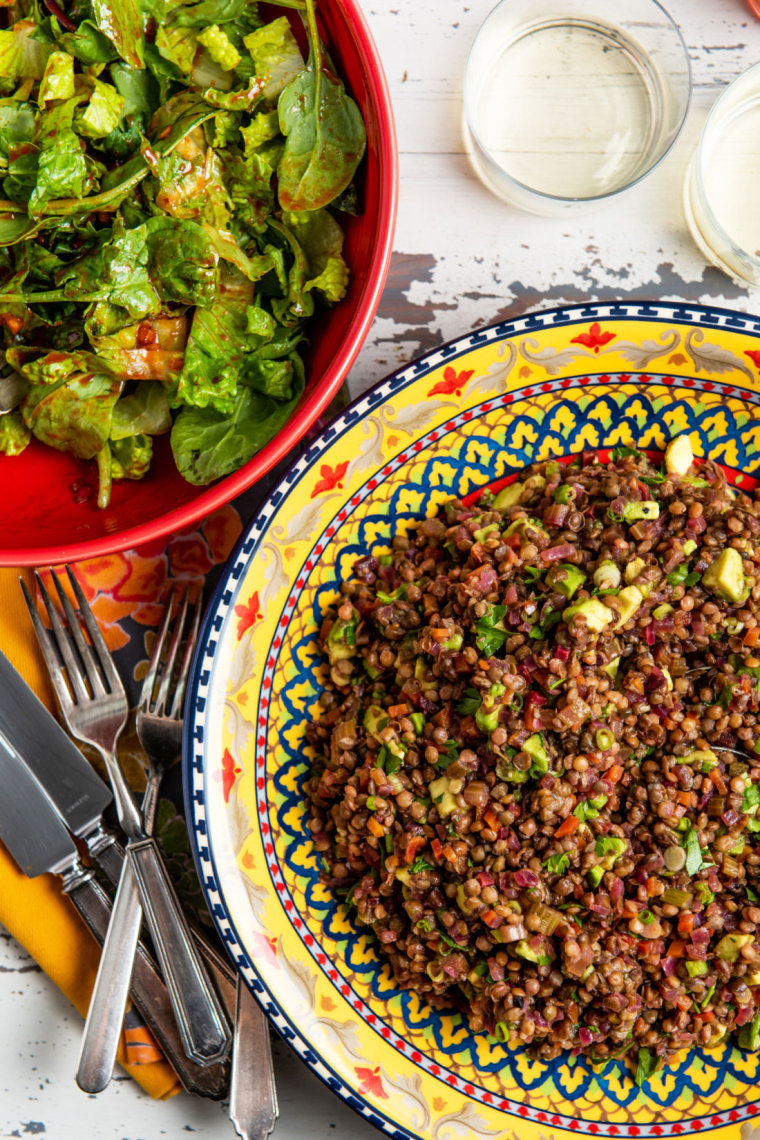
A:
(450, 941)
(557, 864)
(555, 683)
(531, 573)
(481, 969)
(621, 451)
(724, 697)
(469, 704)
(694, 858)
(449, 754)
(647, 1065)
(392, 764)
(490, 634)
(653, 480)
(750, 894)
(420, 864)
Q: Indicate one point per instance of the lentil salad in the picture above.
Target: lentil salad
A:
(536, 776)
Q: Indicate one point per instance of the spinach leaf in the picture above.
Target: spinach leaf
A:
(208, 444)
(216, 346)
(86, 43)
(324, 133)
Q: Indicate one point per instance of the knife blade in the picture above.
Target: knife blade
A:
(35, 836)
(78, 793)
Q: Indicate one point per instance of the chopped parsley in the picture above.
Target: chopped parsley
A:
(557, 864)
(469, 704)
(694, 858)
(490, 633)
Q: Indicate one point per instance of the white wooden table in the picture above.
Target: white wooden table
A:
(462, 259)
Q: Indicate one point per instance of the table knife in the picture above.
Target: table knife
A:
(32, 831)
(77, 791)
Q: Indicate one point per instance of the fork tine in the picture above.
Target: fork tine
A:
(146, 693)
(171, 657)
(52, 661)
(176, 710)
(75, 629)
(96, 637)
(76, 678)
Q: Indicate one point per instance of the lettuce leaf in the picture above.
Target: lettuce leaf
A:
(102, 113)
(14, 434)
(22, 54)
(73, 414)
(58, 80)
(276, 56)
(121, 22)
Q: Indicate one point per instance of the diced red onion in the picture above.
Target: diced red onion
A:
(485, 878)
(729, 817)
(616, 890)
(557, 553)
(669, 967)
(744, 1013)
(495, 970)
(525, 879)
(557, 514)
(562, 653)
(585, 1036)
(649, 634)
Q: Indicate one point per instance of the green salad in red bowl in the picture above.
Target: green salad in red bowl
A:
(195, 225)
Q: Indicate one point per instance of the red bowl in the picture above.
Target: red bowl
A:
(48, 513)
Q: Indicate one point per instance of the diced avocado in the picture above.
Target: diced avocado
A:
(507, 772)
(630, 598)
(696, 969)
(526, 526)
(523, 949)
(607, 576)
(597, 615)
(634, 568)
(341, 640)
(565, 579)
(644, 509)
(729, 947)
(679, 455)
(442, 797)
(375, 720)
(454, 642)
(535, 483)
(508, 496)
(535, 748)
(611, 668)
(596, 874)
(749, 1035)
(483, 533)
(418, 720)
(752, 979)
(487, 716)
(725, 575)
(689, 546)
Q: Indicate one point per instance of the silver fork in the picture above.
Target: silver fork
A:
(253, 1094)
(96, 715)
(160, 706)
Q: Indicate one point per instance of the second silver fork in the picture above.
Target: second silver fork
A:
(97, 715)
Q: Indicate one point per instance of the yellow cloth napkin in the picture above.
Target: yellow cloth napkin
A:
(35, 911)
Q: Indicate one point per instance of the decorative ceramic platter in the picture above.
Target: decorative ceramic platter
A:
(467, 415)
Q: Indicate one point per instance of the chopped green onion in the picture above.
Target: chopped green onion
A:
(646, 917)
(604, 739)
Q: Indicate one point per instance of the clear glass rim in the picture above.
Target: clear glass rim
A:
(560, 199)
(696, 183)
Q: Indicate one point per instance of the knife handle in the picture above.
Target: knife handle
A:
(202, 1022)
(148, 990)
(253, 1095)
(109, 856)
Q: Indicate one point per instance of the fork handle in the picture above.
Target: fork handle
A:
(201, 1019)
(102, 1030)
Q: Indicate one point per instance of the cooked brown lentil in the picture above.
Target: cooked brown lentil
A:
(536, 777)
